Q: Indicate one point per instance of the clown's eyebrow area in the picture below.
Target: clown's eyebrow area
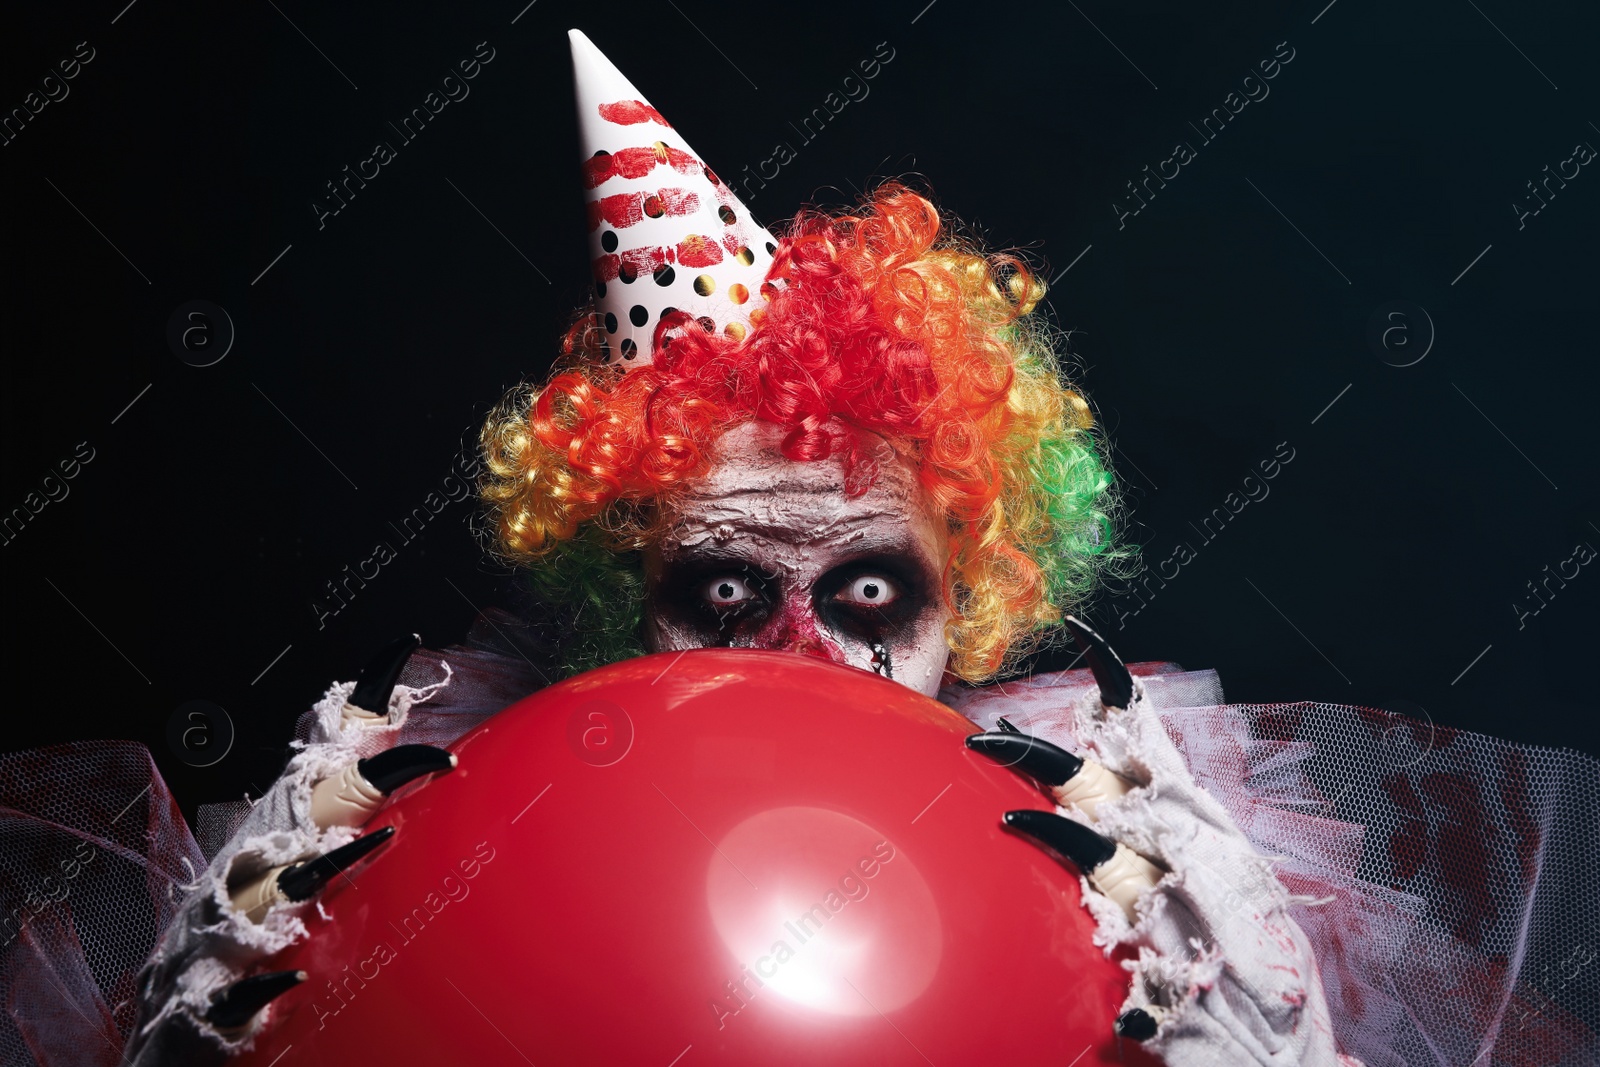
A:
(727, 520)
(894, 549)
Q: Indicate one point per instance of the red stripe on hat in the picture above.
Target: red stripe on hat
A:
(635, 263)
(631, 113)
(697, 251)
(636, 163)
(676, 201)
(625, 209)
(641, 261)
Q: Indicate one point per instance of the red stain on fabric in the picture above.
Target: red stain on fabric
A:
(1517, 795)
(1373, 719)
(1281, 722)
(1461, 849)
(1408, 845)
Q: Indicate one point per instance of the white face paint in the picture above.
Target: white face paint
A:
(769, 552)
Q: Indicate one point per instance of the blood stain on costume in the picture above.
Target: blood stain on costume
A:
(1515, 794)
(1464, 836)
(1408, 846)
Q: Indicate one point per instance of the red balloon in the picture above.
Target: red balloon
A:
(719, 857)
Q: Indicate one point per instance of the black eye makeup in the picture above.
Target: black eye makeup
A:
(881, 596)
(874, 597)
(711, 593)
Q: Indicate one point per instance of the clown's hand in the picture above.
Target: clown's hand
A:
(1221, 974)
(203, 994)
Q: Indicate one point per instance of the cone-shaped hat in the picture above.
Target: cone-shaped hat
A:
(664, 231)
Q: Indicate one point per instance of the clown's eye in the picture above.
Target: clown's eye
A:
(869, 590)
(727, 591)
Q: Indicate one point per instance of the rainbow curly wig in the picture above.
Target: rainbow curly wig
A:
(879, 320)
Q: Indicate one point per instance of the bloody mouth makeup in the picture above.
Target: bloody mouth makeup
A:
(769, 552)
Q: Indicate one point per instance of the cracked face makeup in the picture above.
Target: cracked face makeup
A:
(769, 552)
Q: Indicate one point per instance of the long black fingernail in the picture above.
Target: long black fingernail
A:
(1135, 1024)
(238, 1004)
(1116, 684)
(1005, 726)
(1085, 848)
(302, 881)
(389, 770)
(381, 673)
(1033, 756)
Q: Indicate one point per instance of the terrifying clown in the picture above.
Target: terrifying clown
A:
(852, 440)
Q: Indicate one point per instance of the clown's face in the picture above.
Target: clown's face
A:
(769, 552)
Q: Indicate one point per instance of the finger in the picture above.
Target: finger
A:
(235, 1006)
(1114, 870)
(1139, 1024)
(370, 700)
(1070, 780)
(301, 881)
(1091, 787)
(1116, 684)
(350, 797)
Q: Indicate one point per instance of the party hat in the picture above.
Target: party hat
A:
(665, 233)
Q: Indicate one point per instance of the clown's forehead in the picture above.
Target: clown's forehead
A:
(752, 489)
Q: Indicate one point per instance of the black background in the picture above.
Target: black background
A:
(1221, 320)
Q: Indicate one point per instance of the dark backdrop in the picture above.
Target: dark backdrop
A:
(1374, 179)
